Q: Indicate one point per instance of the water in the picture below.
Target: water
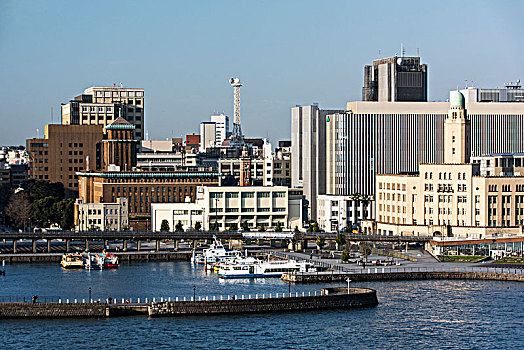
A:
(410, 314)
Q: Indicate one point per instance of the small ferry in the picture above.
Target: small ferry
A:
(215, 253)
(72, 261)
(265, 269)
(100, 261)
(110, 261)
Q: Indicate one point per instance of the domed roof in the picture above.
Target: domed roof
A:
(456, 99)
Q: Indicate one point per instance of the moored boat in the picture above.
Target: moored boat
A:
(72, 261)
(215, 253)
(265, 269)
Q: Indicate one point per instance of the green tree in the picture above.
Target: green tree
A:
(365, 249)
(340, 240)
(313, 227)
(179, 227)
(321, 242)
(198, 226)
(164, 225)
(42, 188)
(213, 227)
(45, 211)
(232, 227)
(296, 229)
(245, 226)
(278, 228)
(65, 211)
(345, 255)
(262, 228)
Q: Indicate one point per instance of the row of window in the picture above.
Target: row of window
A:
(119, 94)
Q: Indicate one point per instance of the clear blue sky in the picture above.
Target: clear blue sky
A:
(285, 52)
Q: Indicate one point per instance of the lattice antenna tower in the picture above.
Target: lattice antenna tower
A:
(237, 138)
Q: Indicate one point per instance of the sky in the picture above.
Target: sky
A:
(285, 52)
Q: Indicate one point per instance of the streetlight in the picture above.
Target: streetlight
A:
(194, 292)
(89, 294)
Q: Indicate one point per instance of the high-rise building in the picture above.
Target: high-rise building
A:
(65, 150)
(100, 105)
(395, 79)
(207, 135)
(222, 128)
(452, 199)
(308, 142)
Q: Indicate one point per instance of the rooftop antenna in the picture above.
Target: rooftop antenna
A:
(402, 50)
(37, 133)
(418, 53)
(378, 53)
(114, 85)
(121, 85)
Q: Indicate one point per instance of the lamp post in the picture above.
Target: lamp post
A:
(89, 294)
(194, 292)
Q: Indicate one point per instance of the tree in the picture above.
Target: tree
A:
(345, 255)
(213, 227)
(179, 227)
(262, 228)
(41, 189)
(198, 226)
(245, 226)
(45, 212)
(20, 208)
(296, 229)
(340, 240)
(365, 199)
(164, 225)
(232, 227)
(355, 199)
(278, 228)
(313, 227)
(65, 210)
(5, 195)
(365, 249)
(321, 242)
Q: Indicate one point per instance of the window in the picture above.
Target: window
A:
(248, 194)
(279, 194)
(263, 195)
(231, 194)
(216, 195)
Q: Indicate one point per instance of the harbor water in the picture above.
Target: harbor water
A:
(410, 315)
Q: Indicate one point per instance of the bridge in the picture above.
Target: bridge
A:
(299, 240)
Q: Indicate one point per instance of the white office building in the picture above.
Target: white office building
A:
(231, 206)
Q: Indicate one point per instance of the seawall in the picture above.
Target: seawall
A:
(398, 276)
(52, 310)
(332, 298)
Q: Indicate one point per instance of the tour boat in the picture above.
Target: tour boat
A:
(100, 261)
(215, 253)
(72, 261)
(265, 269)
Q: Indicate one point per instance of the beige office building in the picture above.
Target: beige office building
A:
(100, 105)
(452, 199)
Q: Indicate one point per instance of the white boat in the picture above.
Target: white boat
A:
(72, 261)
(265, 269)
(215, 253)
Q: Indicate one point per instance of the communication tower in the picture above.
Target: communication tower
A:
(237, 139)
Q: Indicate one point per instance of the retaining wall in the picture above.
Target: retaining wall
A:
(52, 310)
(130, 256)
(397, 276)
(357, 298)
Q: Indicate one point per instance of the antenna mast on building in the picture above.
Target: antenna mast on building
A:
(237, 139)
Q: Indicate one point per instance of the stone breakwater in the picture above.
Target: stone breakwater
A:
(53, 310)
(397, 276)
(331, 298)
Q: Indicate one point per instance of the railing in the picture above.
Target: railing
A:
(391, 269)
(28, 299)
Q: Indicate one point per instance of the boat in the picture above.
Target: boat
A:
(72, 261)
(264, 269)
(100, 261)
(110, 261)
(215, 253)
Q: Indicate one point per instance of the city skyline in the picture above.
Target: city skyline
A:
(183, 55)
